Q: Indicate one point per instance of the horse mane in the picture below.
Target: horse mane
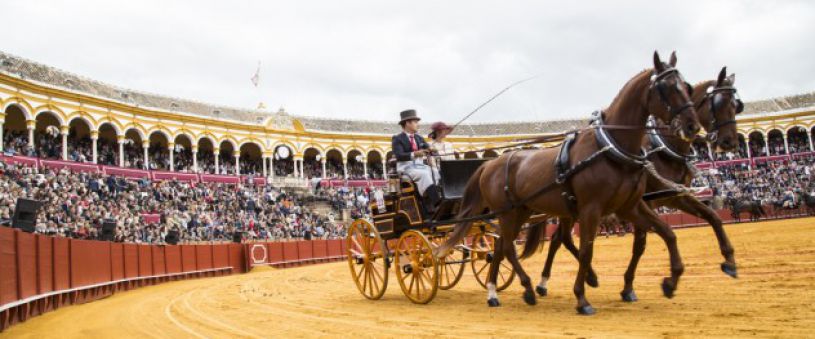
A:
(627, 86)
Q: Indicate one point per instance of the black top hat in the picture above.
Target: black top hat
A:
(409, 114)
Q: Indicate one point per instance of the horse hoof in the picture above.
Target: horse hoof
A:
(629, 296)
(542, 291)
(591, 280)
(730, 270)
(667, 288)
(529, 298)
(493, 302)
(586, 310)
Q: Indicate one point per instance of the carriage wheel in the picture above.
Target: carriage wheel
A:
(451, 266)
(367, 258)
(416, 268)
(483, 248)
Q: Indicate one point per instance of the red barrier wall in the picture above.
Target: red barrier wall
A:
(117, 262)
(158, 260)
(45, 264)
(131, 254)
(204, 256)
(8, 266)
(188, 258)
(290, 251)
(145, 260)
(172, 257)
(62, 264)
(275, 252)
(26, 264)
(304, 250)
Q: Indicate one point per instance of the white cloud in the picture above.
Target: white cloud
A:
(371, 59)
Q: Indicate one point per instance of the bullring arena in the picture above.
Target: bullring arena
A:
(132, 213)
(772, 297)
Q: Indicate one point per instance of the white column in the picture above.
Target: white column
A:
(31, 124)
(94, 145)
(1, 135)
(786, 144)
(296, 168)
(710, 152)
(345, 167)
(271, 166)
(365, 168)
(265, 174)
(766, 144)
(216, 151)
(322, 163)
(63, 130)
(171, 148)
(809, 138)
(384, 169)
(749, 156)
(121, 142)
(237, 156)
(195, 158)
(145, 145)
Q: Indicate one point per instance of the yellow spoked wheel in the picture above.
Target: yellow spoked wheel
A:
(483, 250)
(367, 258)
(416, 268)
(451, 266)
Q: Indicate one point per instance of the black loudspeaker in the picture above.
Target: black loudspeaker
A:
(237, 237)
(25, 214)
(171, 237)
(108, 230)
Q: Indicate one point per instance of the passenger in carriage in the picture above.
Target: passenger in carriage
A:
(443, 149)
(410, 149)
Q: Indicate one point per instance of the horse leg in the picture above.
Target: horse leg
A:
(563, 235)
(516, 218)
(492, 276)
(695, 207)
(589, 220)
(640, 237)
(554, 245)
(568, 242)
(642, 214)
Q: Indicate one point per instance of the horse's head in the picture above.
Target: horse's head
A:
(668, 99)
(717, 104)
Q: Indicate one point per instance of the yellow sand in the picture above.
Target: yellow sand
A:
(774, 296)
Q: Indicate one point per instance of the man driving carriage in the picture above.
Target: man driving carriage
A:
(410, 150)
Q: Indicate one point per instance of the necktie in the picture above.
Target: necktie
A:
(413, 143)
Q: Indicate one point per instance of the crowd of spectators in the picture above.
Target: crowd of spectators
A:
(76, 204)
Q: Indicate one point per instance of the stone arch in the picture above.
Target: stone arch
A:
(775, 141)
(21, 104)
(50, 109)
(80, 115)
(312, 167)
(375, 167)
(251, 157)
(333, 159)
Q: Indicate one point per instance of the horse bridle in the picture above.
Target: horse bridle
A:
(657, 82)
(714, 96)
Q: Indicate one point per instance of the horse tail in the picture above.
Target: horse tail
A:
(470, 206)
(534, 239)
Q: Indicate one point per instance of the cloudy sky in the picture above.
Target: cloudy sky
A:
(371, 59)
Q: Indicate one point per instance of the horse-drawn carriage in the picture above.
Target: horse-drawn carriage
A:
(402, 236)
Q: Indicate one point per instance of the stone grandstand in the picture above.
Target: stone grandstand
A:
(53, 77)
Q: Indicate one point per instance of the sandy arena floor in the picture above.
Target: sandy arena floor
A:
(774, 296)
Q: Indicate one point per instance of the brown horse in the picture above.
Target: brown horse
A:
(717, 105)
(604, 174)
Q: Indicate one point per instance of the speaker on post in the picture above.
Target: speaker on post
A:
(171, 237)
(108, 230)
(25, 214)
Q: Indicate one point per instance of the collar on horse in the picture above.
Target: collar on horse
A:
(604, 140)
(658, 144)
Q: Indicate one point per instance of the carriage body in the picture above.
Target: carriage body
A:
(402, 236)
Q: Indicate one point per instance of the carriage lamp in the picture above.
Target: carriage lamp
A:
(393, 183)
